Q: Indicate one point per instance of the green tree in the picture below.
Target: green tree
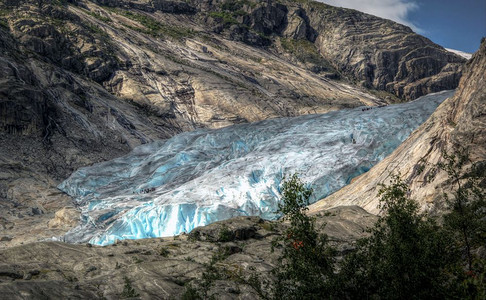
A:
(306, 265)
(406, 255)
(467, 203)
(466, 219)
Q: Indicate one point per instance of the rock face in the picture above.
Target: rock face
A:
(87, 81)
(459, 122)
(371, 51)
(163, 268)
(382, 54)
(65, 217)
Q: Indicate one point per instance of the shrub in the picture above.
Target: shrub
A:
(466, 220)
(225, 234)
(407, 255)
(306, 265)
(128, 290)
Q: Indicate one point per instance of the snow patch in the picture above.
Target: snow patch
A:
(460, 53)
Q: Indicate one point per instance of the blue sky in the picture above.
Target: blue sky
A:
(456, 24)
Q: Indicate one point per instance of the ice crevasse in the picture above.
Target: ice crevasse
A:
(195, 178)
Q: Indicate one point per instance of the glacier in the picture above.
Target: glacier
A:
(195, 178)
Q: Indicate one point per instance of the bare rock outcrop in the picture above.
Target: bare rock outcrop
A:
(238, 250)
(374, 52)
(67, 217)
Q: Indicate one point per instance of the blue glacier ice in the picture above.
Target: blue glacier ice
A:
(199, 177)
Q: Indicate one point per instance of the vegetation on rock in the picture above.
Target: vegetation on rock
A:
(407, 255)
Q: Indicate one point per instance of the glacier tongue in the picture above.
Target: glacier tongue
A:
(196, 178)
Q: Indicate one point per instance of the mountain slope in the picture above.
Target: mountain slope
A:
(382, 54)
(459, 122)
(87, 81)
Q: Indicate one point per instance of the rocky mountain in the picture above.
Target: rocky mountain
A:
(86, 81)
(458, 123)
(234, 251)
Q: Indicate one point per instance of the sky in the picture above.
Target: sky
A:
(455, 24)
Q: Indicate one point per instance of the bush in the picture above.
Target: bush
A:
(306, 266)
(406, 256)
(226, 18)
(466, 220)
(128, 290)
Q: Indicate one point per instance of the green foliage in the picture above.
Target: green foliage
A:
(406, 257)
(467, 218)
(153, 27)
(467, 215)
(4, 12)
(128, 290)
(137, 260)
(225, 234)
(385, 95)
(210, 274)
(407, 254)
(96, 30)
(163, 252)
(225, 17)
(59, 2)
(236, 5)
(150, 23)
(4, 24)
(306, 264)
(306, 52)
(256, 283)
(240, 13)
(191, 293)
(98, 16)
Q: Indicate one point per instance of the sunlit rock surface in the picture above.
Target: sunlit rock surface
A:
(196, 178)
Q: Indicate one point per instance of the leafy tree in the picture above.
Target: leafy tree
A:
(466, 219)
(467, 204)
(406, 255)
(307, 264)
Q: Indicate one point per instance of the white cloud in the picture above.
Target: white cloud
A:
(396, 10)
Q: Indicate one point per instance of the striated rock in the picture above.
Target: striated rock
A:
(374, 52)
(239, 228)
(298, 26)
(459, 122)
(382, 54)
(174, 7)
